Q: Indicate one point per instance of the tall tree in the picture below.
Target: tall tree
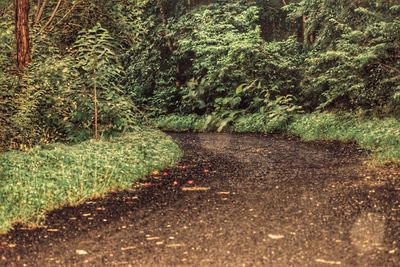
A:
(22, 32)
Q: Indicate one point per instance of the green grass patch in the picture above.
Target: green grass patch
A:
(43, 179)
(181, 123)
(259, 123)
(380, 136)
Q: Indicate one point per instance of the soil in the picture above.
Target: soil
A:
(234, 200)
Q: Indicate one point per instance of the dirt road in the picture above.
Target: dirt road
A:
(235, 200)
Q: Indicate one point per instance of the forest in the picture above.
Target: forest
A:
(223, 60)
(77, 70)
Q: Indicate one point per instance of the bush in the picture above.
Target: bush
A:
(43, 179)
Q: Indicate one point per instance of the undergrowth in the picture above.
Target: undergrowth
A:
(44, 179)
(181, 123)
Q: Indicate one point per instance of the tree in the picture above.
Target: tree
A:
(22, 32)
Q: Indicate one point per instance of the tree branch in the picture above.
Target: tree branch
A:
(66, 14)
(53, 14)
(39, 13)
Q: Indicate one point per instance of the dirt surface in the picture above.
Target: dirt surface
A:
(235, 200)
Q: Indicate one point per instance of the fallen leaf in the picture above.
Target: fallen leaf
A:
(159, 243)
(175, 183)
(328, 262)
(147, 184)
(165, 174)
(190, 182)
(276, 237)
(195, 188)
(152, 238)
(128, 248)
(175, 245)
(206, 170)
(53, 230)
(155, 172)
(81, 252)
(12, 245)
(224, 193)
(86, 214)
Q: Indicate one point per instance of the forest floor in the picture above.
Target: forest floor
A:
(235, 200)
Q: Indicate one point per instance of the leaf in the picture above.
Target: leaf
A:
(128, 248)
(328, 262)
(153, 238)
(175, 245)
(81, 252)
(195, 188)
(276, 237)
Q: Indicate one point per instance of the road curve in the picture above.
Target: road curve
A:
(235, 200)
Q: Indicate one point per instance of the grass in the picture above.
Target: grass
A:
(181, 123)
(379, 136)
(43, 179)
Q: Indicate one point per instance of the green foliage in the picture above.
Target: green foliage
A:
(8, 81)
(216, 47)
(233, 63)
(98, 66)
(382, 137)
(355, 62)
(228, 50)
(260, 123)
(223, 42)
(180, 123)
(37, 116)
(150, 70)
(119, 17)
(42, 179)
(53, 99)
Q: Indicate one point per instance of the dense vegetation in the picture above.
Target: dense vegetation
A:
(222, 59)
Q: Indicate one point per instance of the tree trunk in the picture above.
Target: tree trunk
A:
(300, 30)
(22, 32)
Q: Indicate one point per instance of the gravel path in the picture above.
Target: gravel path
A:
(235, 200)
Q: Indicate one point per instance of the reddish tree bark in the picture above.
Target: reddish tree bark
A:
(22, 32)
